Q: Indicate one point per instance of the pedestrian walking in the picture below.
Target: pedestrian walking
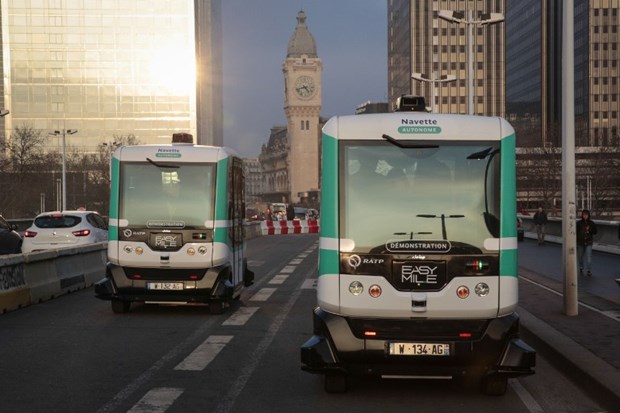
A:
(540, 220)
(586, 229)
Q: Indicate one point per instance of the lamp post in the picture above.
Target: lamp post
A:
(442, 79)
(459, 17)
(64, 132)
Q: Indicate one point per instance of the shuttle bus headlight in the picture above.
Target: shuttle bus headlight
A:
(128, 249)
(482, 289)
(202, 250)
(191, 252)
(462, 292)
(356, 288)
(139, 250)
(374, 291)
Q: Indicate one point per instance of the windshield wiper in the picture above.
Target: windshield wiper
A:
(160, 165)
(483, 154)
(411, 234)
(407, 144)
(443, 221)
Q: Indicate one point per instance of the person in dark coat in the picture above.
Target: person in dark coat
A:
(586, 229)
(540, 220)
(290, 212)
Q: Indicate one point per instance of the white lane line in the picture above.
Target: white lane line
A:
(263, 294)
(309, 283)
(551, 290)
(204, 353)
(302, 256)
(240, 317)
(296, 261)
(526, 397)
(227, 402)
(288, 269)
(278, 279)
(156, 400)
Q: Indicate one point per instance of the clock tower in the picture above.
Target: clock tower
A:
(302, 104)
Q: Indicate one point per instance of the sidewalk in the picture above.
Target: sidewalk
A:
(585, 347)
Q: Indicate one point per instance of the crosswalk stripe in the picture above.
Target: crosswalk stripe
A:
(288, 269)
(156, 400)
(263, 294)
(204, 353)
(240, 317)
(278, 279)
(296, 261)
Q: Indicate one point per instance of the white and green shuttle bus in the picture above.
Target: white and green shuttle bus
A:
(418, 251)
(176, 226)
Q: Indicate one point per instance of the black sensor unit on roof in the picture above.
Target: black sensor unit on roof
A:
(409, 103)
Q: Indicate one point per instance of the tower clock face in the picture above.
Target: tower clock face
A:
(304, 86)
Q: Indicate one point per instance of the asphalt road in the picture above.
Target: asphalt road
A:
(72, 354)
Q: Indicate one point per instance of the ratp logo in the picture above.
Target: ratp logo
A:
(354, 261)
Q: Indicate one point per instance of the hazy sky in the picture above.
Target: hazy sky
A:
(351, 39)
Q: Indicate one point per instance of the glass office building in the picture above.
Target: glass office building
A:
(112, 68)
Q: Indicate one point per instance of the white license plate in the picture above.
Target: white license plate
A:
(419, 349)
(165, 286)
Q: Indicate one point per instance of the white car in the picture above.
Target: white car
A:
(52, 230)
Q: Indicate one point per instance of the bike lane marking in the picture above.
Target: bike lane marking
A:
(200, 358)
(157, 400)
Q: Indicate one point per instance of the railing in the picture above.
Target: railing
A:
(607, 239)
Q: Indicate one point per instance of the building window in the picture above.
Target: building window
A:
(307, 125)
(302, 125)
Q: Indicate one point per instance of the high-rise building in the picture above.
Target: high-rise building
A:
(420, 42)
(113, 68)
(534, 71)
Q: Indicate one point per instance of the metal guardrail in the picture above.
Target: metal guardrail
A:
(607, 239)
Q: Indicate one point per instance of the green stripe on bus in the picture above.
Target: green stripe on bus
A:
(508, 263)
(113, 213)
(508, 218)
(328, 262)
(221, 199)
(329, 188)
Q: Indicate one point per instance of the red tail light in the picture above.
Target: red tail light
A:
(29, 234)
(81, 233)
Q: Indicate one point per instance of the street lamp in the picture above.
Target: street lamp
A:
(64, 162)
(459, 17)
(442, 79)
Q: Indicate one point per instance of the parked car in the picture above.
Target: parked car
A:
(301, 213)
(312, 214)
(10, 240)
(520, 230)
(52, 230)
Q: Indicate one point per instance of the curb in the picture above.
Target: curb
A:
(602, 380)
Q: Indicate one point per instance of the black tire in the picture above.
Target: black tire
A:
(120, 306)
(335, 383)
(216, 307)
(495, 385)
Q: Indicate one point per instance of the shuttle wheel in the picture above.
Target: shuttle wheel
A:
(120, 306)
(216, 307)
(495, 385)
(335, 383)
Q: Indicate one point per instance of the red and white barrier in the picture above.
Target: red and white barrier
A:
(289, 227)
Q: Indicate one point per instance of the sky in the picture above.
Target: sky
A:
(351, 39)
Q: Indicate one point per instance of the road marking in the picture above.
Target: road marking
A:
(240, 317)
(288, 269)
(263, 294)
(278, 279)
(296, 261)
(309, 284)
(156, 400)
(302, 256)
(227, 402)
(526, 397)
(607, 314)
(204, 353)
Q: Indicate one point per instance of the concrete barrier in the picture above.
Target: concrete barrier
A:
(39, 276)
(607, 239)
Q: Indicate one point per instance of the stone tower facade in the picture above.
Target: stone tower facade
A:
(302, 71)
